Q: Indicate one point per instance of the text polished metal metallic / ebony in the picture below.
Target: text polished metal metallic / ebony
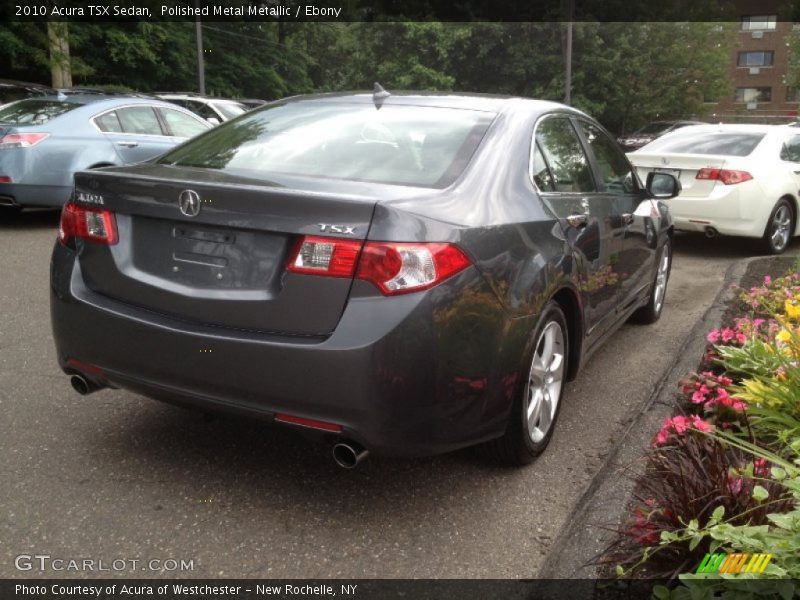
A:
(404, 277)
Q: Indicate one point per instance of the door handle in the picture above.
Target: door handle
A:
(628, 218)
(128, 144)
(578, 220)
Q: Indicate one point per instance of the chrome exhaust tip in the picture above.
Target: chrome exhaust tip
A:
(349, 454)
(82, 385)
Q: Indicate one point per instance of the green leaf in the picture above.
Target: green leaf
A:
(760, 493)
(778, 474)
(718, 513)
(661, 592)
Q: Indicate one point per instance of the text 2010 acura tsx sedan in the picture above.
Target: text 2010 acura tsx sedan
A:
(404, 274)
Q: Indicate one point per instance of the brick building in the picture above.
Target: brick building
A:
(759, 65)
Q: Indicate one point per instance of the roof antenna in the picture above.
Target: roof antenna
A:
(379, 95)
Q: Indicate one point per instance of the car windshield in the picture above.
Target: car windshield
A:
(652, 128)
(729, 143)
(405, 145)
(34, 112)
(230, 109)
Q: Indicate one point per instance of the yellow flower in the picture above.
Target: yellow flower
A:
(784, 336)
(792, 310)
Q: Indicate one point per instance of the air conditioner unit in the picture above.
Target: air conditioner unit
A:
(754, 70)
(757, 35)
(752, 105)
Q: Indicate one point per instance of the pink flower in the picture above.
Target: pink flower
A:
(741, 338)
(767, 279)
(698, 397)
(727, 334)
(700, 424)
(713, 336)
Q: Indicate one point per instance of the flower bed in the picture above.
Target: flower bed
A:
(723, 474)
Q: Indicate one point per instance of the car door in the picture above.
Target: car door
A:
(790, 156)
(562, 173)
(619, 189)
(135, 131)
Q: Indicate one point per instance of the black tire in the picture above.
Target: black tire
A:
(778, 232)
(651, 312)
(522, 442)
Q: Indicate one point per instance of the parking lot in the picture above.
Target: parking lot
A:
(114, 476)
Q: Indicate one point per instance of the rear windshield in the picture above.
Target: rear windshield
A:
(707, 142)
(405, 145)
(34, 112)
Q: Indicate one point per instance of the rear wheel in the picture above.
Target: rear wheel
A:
(779, 227)
(538, 398)
(651, 312)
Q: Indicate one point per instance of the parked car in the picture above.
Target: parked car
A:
(11, 90)
(650, 132)
(737, 180)
(408, 280)
(213, 110)
(252, 103)
(44, 141)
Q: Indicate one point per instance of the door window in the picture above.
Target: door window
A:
(540, 172)
(180, 124)
(615, 170)
(139, 119)
(564, 154)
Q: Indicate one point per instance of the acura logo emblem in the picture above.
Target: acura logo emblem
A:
(189, 203)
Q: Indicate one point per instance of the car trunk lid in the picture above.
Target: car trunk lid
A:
(684, 166)
(226, 265)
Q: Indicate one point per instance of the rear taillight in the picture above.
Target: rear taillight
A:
(394, 268)
(92, 224)
(5, 179)
(21, 140)
(726, 176)
(324, 256)
(404, 268)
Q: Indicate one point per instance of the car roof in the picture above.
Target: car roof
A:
(181, 96)
(731, 127)
(468, 101)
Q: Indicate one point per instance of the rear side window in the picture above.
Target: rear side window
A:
(731, 143)
(564, 154)
(230, 109)
(791, 149)
(398, 144)
(180, 124)
(139, 119)
(35, 112)
(109, 122)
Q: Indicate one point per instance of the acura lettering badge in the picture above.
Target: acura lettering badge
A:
(189, 203)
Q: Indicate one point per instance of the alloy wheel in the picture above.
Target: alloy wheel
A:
(781, 226)
(545, 381)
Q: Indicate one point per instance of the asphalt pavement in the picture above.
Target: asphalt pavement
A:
(116, 477)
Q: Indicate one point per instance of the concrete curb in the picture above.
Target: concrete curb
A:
(603, 505)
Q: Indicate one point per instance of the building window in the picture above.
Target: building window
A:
(791, 94)
(759, 22)
(756, 59)
(747, 94)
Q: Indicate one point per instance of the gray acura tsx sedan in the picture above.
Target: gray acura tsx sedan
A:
(404, 274)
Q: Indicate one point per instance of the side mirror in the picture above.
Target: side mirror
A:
(662, 186)
(213, 120)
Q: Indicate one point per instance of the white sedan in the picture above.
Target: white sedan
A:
(738, 180)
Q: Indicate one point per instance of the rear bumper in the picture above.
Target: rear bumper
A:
(20, 194)
(410, 375)
(727, 210)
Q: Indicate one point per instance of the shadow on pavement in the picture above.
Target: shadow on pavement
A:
(723, 246)
(37, 218)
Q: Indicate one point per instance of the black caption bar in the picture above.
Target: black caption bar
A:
(296, 589)
(382, 10)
